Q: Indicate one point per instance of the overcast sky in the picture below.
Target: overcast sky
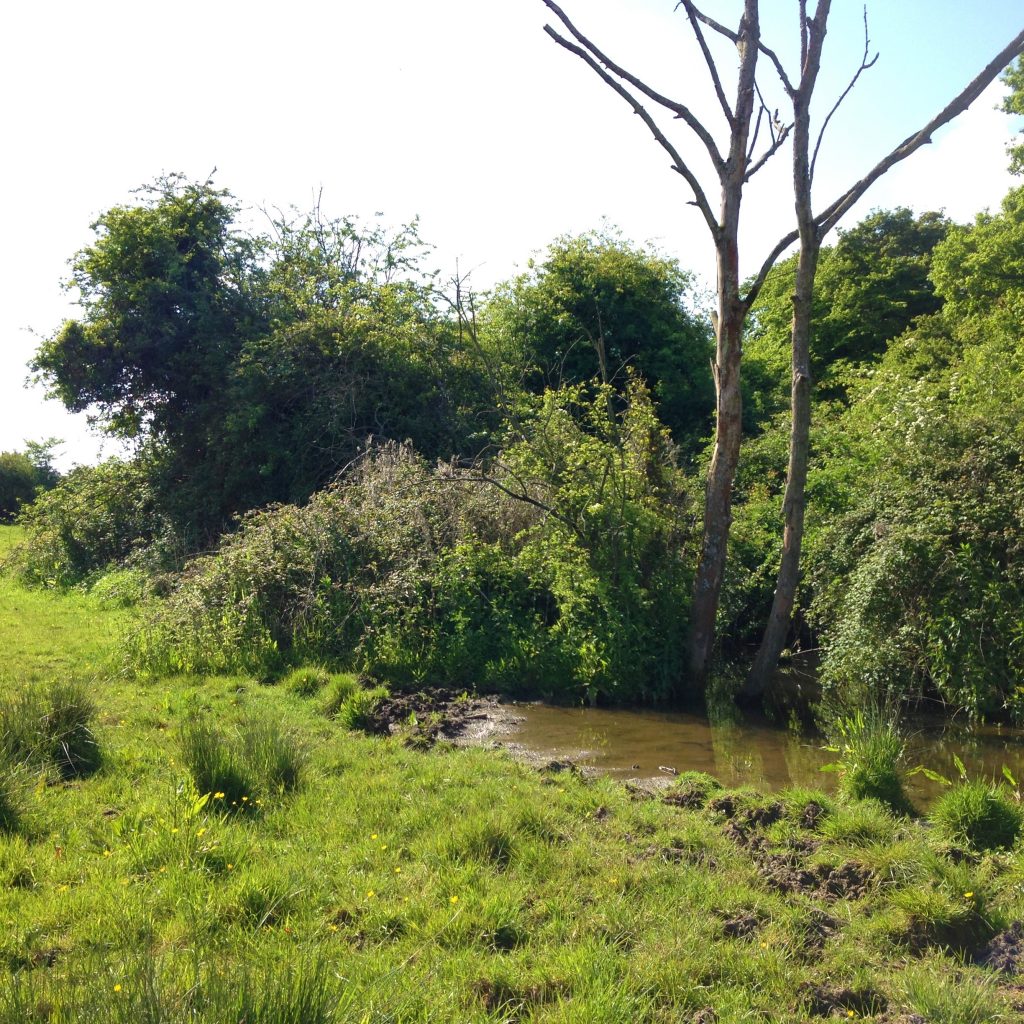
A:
(461, 112)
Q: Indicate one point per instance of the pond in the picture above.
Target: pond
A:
(642, 744)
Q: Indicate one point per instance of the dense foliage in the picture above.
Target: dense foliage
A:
(596, 307)
(380, 477)
(557, 569)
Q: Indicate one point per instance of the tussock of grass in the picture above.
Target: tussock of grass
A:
(979, 816)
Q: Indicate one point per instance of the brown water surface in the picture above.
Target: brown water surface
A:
(642, 744)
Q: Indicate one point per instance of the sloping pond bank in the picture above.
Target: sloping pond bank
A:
(649, 745)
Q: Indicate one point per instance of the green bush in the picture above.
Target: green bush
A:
(979, 816)
(18, 483)
(97, 518)
(559, 571)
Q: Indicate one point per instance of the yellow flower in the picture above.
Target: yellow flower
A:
(163, 868)
(107, 853)
(850, 1013)
(453, 899)
(968, 895)
(117, 988)
(374, 835)
(370, 894)
(384, 846)
(244, 799)
(200, 831)
(398, 871)
(173, 830)
(332, 927)
(218, 795)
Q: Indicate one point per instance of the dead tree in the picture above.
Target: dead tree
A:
(734, 168)
(812, 229)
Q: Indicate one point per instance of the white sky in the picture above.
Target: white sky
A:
(460, 111)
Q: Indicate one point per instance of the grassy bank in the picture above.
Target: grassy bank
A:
(350, 878)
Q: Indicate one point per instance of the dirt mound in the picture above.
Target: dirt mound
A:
(824, 1000)
(431, 715)
(1005, 952)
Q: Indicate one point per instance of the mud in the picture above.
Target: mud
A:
(1005, 953)
(825, 1000)
(741, 926)
(426, 717)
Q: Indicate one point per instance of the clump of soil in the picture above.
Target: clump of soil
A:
(1005, 952)
(824, 1000)
(691, 798)
(811, 815)
(741, 926)
(430, 715)
(726, 805)
(848, 881)
(705, 1016)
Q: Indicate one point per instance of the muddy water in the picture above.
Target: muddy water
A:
(642, 744)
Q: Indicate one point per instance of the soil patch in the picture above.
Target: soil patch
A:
(824, 1000)
(1005, 953)
(436, 714)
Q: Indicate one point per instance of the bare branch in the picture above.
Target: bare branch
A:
(522, 494)
(758, 283)
(828, 218)
(865, 64)
(770, 152)
(680, 110)
(803, 35)
(757, 131)
(734, 38)
(709, 60)
(678, 164)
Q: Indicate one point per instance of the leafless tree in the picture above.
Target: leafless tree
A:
(747, 152)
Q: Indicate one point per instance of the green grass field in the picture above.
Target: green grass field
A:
(351, 878)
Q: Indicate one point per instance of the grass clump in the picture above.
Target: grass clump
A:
(870, 749)
(358, 711)
(260, 758)
(51, 729)
(307, 680)
(341, 687)
(978, 815)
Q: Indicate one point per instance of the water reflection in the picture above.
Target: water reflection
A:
(642, 743)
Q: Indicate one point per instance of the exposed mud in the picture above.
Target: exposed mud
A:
(431, 715)
(741, 926)
(825, 1000)
(1005, 953)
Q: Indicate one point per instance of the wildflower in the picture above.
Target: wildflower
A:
(850, 1013)
(453, 899)
(117, 988)
(398, 871)
(173, 830)
(374, 835)
(384, 846)
(370, 894)
(968, 895)
(332, 927)
(245, 799)
(107, 853)
(200, 832)
(219, 795)
(163, 868)
(231, 867)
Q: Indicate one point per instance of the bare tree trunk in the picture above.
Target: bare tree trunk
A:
(793, 505)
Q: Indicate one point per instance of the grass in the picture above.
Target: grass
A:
(377, 883)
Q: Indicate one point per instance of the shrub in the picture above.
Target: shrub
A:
(455, 576)
(18, 482)
(96, 518)
(979, 816)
